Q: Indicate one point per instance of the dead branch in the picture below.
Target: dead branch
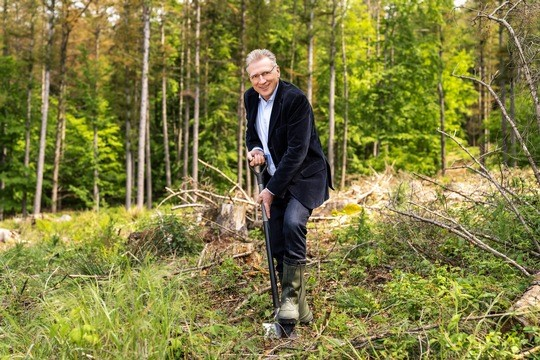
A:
(502, 190)
(528, 353)
(465, 196)
(460, 231)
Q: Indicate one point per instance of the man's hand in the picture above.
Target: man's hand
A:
(266, 198)
(256, 157)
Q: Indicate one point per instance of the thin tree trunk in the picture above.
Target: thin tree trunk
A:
(187, 113)
(332, 94)
(502, 86)
(164, 110)
(61, 116)
(148, 163)
(144, 106)
(3, 149)
(95, 142)
(28, 123)
(311, 50)
(293, 44)
(196, 106)
(440, 91)
(345, 100)
(240, 149)
(181, 100)
(44, 107)
(513, 146)
(129, 157)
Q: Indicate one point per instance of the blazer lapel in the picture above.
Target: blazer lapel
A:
(276, 108)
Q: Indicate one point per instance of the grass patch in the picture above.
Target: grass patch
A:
(379, 290)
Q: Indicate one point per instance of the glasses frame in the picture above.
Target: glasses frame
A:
(264, 74)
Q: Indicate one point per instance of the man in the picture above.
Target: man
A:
(281, 133)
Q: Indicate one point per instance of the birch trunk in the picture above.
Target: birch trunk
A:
(144, 106)
(196, 106)
(164, 110)
(44, 107)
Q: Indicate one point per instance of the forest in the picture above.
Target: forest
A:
(107, 102)
(123, 162)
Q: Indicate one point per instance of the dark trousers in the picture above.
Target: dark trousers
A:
(288, 219)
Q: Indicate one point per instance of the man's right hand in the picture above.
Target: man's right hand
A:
(256, 157)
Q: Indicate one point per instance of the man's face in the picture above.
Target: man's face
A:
(264, 76)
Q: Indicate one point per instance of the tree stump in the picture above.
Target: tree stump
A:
(232, 220)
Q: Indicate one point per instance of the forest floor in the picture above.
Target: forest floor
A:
(87, 285)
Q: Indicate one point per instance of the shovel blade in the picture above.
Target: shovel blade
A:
(272, 331)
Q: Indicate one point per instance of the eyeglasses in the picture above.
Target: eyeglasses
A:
(265, 74)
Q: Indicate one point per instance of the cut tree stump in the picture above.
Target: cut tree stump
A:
(232, 220)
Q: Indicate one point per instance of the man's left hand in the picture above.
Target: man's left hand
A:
(266, 198)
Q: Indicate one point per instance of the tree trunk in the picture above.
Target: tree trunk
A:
(181, 99)
(240, 111)
(144, 106)
(311, 50)
(129, 157)
(187, 113)
(440, 91)
(61, 116)
(332, 94)
(164, 110)
(95, 142)
(44, 107)
(148, 162)
(513, 146)
(345, 100)
(28, 123)
(196, 106)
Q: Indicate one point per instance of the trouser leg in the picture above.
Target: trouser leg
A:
(288, 243)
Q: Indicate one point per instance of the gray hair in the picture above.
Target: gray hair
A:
(259, 54)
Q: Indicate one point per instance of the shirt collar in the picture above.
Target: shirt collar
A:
(272, 97)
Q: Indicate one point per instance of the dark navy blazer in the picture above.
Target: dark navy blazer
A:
(301, 166)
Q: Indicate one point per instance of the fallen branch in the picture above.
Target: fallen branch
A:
(459, 230)
(486, 174)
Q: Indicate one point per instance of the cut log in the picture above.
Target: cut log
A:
(526, 310)
(232, 220)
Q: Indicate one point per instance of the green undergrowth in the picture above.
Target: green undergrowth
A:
(118, 285)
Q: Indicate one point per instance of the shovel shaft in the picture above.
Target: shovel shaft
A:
(258, 171)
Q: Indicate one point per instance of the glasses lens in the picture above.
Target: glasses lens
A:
(265, 75)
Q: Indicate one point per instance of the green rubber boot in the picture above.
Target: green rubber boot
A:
(294, 307)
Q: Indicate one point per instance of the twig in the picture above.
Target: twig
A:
(526, 354)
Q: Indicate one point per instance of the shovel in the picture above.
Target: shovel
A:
(275, 329)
